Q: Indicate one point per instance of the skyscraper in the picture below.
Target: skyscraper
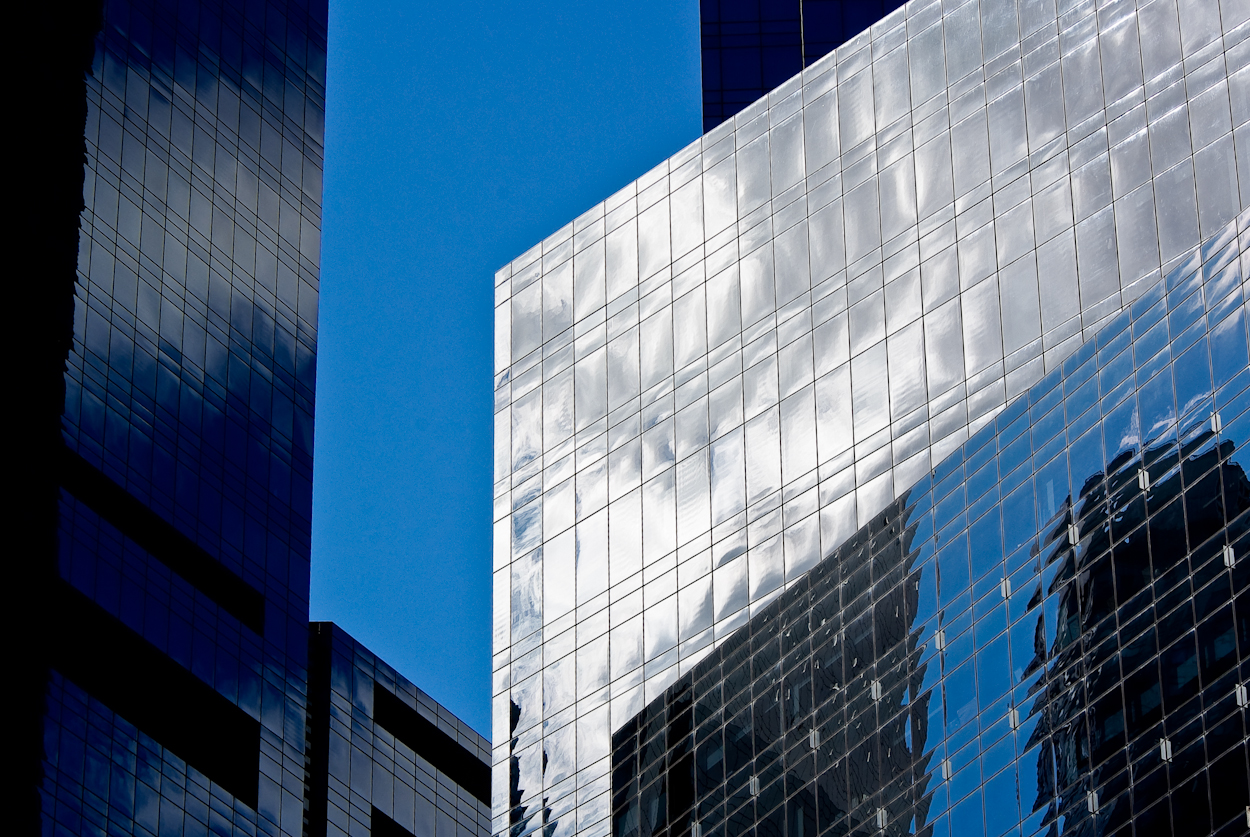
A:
(164, 479)
(741, 373)
(177, 662)
(748, 48)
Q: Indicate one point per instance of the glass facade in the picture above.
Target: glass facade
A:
(181, 691)
(751, 46)
(713, 380)
(386, 759)
(186, 491)
(1049, 633)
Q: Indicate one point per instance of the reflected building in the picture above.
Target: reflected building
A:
(1048, 634)
(170, 686)
(870, 464)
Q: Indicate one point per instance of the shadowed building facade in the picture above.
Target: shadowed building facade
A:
(175, 693)
(173, 686)
(384, 756)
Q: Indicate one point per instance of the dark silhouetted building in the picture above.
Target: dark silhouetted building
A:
(751, 46)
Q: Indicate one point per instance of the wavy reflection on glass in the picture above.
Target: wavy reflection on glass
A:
(1009, 643)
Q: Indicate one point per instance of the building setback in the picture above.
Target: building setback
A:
(731, 398)
(383, 753)
(165, 472)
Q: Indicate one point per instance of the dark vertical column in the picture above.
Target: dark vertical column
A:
(54, 44)
(317, 758)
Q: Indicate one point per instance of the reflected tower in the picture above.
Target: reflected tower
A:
(980, 659)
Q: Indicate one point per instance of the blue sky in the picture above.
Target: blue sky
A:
(457, 136)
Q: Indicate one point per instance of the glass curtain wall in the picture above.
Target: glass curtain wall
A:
(176, 702)
(716, 377)
(751, 46)
(1048, 634)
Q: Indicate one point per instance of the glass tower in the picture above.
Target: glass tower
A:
(724, 383)
(176, 694)
(750, 46)
(173, 684)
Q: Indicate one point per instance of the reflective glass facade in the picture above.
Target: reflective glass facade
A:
(385, 758)
(183, 691)
(176, 698)
(1048, 634)
(713, 380)
(750, 46)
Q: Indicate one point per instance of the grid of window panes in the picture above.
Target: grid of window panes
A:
(720, 373)
(109, 774)
(190, 386)
(373, 778)
(1048, 634)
